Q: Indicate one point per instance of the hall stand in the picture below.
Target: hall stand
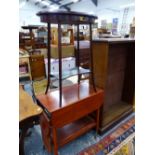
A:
(67, 110)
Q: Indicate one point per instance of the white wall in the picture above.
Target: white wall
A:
(27, 14)
(106, 9)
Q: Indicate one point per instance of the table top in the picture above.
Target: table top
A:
(70, 95)
(66, 17)
(27, 108)
(30, 27)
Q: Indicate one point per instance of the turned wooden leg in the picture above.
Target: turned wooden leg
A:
(55, 141)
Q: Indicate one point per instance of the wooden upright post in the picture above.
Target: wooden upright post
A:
(48, 56)
(60, 64)
(91, 57)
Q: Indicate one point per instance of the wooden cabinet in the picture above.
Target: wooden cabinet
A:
(114, 70)
(37, 67)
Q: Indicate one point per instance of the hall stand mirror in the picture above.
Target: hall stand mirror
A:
(67, 110)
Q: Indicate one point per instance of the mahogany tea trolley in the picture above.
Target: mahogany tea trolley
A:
(68, 110)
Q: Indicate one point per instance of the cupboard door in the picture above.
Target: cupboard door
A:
(37, 67)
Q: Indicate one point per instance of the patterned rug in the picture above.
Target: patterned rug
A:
(119, 142)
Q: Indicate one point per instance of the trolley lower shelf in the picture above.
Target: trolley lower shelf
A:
(71, 131)
(63, 124)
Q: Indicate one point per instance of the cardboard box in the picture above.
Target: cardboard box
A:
(67, 64)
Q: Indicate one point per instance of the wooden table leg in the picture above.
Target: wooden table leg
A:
(24, 126)
(55, 141)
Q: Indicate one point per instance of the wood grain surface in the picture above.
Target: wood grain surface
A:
(27, 107)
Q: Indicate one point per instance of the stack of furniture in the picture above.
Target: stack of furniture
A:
(24, 66)
(67, 110)
(67, 36)
(25, 40)
(41, 38)
(42, 33)
(33, 45)
(29, 41)
(67, 43)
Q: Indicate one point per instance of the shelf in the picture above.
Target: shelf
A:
(116, 112)
(25, 80)
(24, 56)
(24, 75)
(81, 126)
(26, 38)
(69, 73)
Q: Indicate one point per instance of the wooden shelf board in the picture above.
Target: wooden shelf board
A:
(115, 111)
(71, 72)
(75, 129)
(24, 75)
(27, 108)
(24, 56)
